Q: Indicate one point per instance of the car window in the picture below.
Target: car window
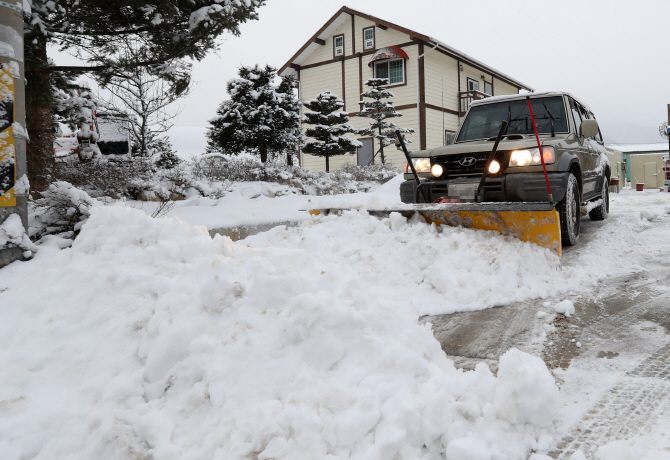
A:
(484, 121)
(575, 114)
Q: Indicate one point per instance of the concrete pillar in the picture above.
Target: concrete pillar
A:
(13, 134)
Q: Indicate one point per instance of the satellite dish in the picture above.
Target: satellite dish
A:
(663, 130)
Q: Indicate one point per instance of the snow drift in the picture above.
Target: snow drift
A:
(148, 339)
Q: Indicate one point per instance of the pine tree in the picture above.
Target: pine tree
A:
(96, 31)
(380, 110)
(290, 104)
(257, 116)
(167, 157)
(329, 129)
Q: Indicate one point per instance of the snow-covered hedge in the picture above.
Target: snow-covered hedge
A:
(212, 175)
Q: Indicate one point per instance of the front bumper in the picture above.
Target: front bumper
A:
(528, 187)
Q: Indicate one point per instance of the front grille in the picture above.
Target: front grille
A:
(453, 167)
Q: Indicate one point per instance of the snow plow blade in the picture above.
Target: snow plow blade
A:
(534, 222)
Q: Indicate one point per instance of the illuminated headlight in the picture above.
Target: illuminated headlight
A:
(532, 157)
(494, 167)
(422, 165)
(436, 170)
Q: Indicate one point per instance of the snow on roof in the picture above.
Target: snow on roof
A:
(515, 97)
(641, 148)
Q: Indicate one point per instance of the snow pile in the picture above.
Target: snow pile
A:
(149, 339)
(565, 307)
(648, 215)
(12, 234)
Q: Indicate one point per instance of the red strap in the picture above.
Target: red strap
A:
(539, 146)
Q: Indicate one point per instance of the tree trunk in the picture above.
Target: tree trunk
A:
(327, 164)
(381, 145)
(289, 158)
(39, 151)
(264, 153)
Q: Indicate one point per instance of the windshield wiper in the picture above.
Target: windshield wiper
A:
(553, 120)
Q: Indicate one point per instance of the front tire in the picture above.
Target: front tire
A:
(569, 211)
(602, 211)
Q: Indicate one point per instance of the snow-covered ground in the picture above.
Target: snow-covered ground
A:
(147, 338)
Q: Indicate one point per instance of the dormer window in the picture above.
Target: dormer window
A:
(389, 63)
(369, 38)
(338, 45)
(393, 69)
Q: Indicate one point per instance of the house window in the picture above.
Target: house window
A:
(473, 85)
(449, 137)
(338, 45)
(488, 88)
(369, 38)
(394, 70)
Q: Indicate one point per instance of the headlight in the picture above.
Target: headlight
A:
(528, 157)
(494, 167)
(436, 170)
(422, 165)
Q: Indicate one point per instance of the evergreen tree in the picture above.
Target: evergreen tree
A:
(329, 129)
(379, 110)
(96, 31)
(167, 157)
(257, 117)
(290, 104)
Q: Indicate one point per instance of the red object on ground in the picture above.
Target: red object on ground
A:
(539, 146)
(614, 181)
(447, 200)
(639, 187)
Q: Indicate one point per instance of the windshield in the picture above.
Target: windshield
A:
(483, 121)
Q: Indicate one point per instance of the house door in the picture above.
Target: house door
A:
(365, 153)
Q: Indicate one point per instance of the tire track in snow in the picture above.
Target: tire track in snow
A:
(633, 404)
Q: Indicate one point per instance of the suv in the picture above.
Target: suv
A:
(572, 145)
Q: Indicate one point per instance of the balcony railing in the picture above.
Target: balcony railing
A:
(466, 97)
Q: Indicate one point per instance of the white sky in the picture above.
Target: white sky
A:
(609, 53)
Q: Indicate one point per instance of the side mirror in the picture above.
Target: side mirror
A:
(589, 128)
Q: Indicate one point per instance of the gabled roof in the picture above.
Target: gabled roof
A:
(345, 13)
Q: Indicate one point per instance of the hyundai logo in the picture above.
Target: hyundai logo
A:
(467, 161)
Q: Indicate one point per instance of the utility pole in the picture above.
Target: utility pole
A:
(13, 134)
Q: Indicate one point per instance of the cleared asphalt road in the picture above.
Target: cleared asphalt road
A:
(611, 359)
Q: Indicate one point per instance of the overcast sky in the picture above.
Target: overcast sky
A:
(612, 54)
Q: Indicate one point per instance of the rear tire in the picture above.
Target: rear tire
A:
(569, 211)
(602, 211)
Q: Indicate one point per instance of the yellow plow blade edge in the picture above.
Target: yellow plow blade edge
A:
(537, 223)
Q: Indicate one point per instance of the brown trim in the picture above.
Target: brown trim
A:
(295, 67)
(344, 92)
(381, 26)
(374, 38)
(373, 148)
(400, 107)
(493, 86)
(413, 35)
(318, 41)
(311, 40)
(345, 9)
(353, 34)
(344, 47)
(352, 56)
(422, 100)
(458, 70)
(441, 109)
(475, 66)
(360, 76)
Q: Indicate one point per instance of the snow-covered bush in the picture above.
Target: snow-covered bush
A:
(62, 210)
(107, 178)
